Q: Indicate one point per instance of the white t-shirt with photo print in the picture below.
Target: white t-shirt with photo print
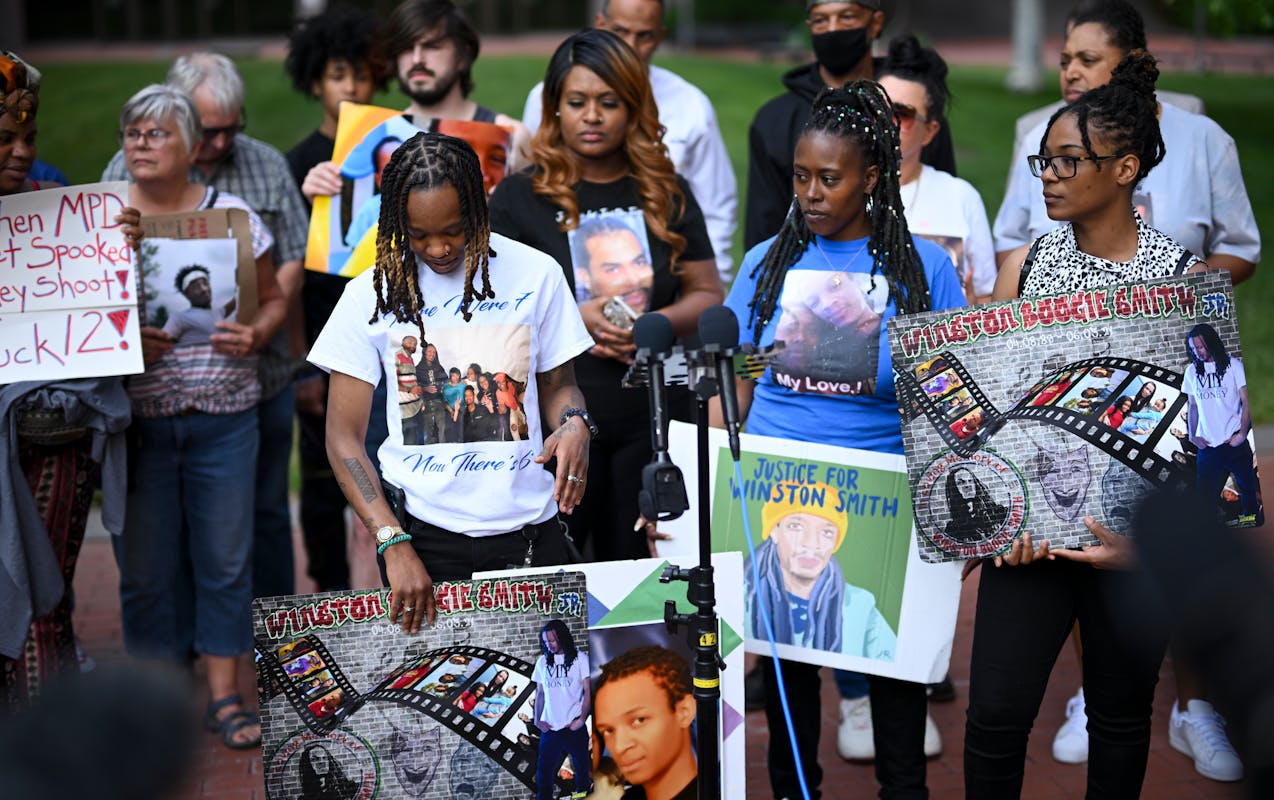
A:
(532, 326)
(949, 212)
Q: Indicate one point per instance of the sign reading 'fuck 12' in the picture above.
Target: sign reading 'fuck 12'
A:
(68, 297)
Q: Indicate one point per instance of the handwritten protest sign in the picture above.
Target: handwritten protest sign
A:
(68, 302)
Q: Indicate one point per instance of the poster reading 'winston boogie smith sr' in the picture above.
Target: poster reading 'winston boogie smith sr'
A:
(353, 708)
(1030, 415)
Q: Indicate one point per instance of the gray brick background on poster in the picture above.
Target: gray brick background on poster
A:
(1064, 477)
(386, 749)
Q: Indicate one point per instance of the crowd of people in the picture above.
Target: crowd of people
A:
(463, 396)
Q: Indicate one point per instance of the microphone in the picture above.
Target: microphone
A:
(663, 492)
(719, 331)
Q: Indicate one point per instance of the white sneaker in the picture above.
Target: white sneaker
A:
(1070, 745)
(933, 739)
(854, 735)
(1199, 732)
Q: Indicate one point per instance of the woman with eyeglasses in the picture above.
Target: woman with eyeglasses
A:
(939, 206)
(60, 426)
(195, 424)
(1093, 155)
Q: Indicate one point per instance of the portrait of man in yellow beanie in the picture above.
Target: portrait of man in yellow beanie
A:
(805, 592)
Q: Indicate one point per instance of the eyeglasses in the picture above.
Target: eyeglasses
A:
(155, 137)
(905, 116)
(1063, 166)
(229, 130)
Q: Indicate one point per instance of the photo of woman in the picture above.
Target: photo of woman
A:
(975, 515)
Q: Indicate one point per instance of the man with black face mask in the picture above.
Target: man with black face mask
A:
(842, 34)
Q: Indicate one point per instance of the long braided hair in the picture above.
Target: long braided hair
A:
(1125, 113)
(429, 161)
(861, 114)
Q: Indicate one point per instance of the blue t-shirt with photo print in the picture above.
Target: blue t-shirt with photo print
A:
(834, 382)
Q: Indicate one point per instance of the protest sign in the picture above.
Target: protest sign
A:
(837, 562)
(449, 712)
(343, 227)
(68, 304)
(1032, 414)
(173, 241)
(626, 618)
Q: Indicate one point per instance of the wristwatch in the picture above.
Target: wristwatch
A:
(387, 532)
(584, 417)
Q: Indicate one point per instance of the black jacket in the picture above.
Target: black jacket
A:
(772, 140)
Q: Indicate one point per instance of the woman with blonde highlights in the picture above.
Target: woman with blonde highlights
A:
(603, 198)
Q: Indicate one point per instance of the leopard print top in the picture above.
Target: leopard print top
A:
(1056, 265)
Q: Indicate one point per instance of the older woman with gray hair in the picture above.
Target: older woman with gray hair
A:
(195, 420)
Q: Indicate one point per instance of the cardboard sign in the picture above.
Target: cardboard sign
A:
(1031, 415)
(343, 227)
(626, 612)
(860, 598)
(215, 223)
(352, 707)
(68, 304)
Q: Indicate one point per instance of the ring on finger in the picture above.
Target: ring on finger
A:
(409, 609)
(574, 479)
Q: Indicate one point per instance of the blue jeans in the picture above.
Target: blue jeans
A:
(1215, 464)
(272, 562)
(554, 745)
(193, 482)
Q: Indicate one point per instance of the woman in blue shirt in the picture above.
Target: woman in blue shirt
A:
(827, 284)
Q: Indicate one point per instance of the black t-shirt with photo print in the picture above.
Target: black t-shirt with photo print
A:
(521, 214)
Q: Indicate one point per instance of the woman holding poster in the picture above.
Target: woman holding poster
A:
(60, 426)
(845, 234)
(1094, 154)
(196, 430)
(604, 200)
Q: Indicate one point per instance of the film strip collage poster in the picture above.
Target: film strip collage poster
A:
(353, 708)
(626, 631)
(1031, 414)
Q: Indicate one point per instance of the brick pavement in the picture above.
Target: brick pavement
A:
(233, 775)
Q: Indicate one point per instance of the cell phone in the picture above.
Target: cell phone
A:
(619, 313)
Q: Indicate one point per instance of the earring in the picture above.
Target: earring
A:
(869, 204)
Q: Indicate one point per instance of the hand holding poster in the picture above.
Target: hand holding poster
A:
(1031, 415)
(343, 227)
(836, 561)
(67, 297)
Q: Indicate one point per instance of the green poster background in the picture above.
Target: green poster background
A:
(874, 553)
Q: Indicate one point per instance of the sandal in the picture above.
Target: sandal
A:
(231, 723)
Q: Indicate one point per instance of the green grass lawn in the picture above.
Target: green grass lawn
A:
(80, 104)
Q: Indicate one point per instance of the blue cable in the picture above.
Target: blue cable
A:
(769, 635)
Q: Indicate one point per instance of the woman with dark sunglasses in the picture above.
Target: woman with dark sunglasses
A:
(939, 206)
(1094, 153)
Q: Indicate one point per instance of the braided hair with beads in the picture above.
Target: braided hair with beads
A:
(429, 161)
(861, 114)
(1124, 112)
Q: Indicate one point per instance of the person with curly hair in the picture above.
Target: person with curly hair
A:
(643, 707)
(599, 154)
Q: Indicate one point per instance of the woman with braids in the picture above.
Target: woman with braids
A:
(447, 508)
(845, 231)
(1093, 154)
(69, 440)
(599, 160)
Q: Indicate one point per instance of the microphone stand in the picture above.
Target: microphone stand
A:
(702, 626)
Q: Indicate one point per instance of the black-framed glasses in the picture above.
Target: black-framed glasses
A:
(905, 116)
(1063, 166)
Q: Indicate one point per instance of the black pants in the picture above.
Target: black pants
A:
(455, 557)
(1024, 615)
(606, 514)
(898, 710)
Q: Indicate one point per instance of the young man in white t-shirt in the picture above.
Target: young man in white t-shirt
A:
(459, 506)
(1219, 421)
(562, 702)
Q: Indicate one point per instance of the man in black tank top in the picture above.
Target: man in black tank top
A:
(432, 49)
